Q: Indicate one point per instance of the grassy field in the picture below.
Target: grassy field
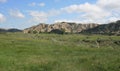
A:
(52, 52)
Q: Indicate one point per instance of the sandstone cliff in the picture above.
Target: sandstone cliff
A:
(66, 26)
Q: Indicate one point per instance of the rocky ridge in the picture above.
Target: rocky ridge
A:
(68, 27)
(110, 28)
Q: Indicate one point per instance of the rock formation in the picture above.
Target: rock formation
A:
(66, 26)
(110, 28)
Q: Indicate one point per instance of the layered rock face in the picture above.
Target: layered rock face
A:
(66, 26)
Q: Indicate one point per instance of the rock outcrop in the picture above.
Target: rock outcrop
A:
(110, 28)
(66, 26)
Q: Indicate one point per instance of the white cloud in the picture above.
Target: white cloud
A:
(39, 16)
(111, 4)
(2, 17)
(90, 12)
(82, 8)
(16, 13)
(3, 1)
(85, 8)
(32, 4)
(111, 19)
(99, 12)
(41, 4)
(66, 20)
(53, 12)
(102, 11)
(37, 4)
(84, 21)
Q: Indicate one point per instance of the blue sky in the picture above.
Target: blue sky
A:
(25, 13)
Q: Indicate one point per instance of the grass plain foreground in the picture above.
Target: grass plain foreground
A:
(53, 52)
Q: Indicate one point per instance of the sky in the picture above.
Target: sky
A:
(22, 14)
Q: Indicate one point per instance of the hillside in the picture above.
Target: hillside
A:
(2, 30)
(111, 28)
(66, 26)
(10, 30)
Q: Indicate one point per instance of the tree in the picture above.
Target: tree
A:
(63, 31)
(34, 32)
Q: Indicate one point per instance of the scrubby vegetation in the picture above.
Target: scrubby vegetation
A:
(53, 52)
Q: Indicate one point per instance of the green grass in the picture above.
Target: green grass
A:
(52, 52)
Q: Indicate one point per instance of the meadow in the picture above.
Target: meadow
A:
(53, 52)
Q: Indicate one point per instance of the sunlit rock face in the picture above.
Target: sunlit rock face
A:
(67, 26)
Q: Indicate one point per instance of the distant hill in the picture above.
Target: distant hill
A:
(14, 30)
(2, 30)
(10, 30)
(66, 27)
(110, 28)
